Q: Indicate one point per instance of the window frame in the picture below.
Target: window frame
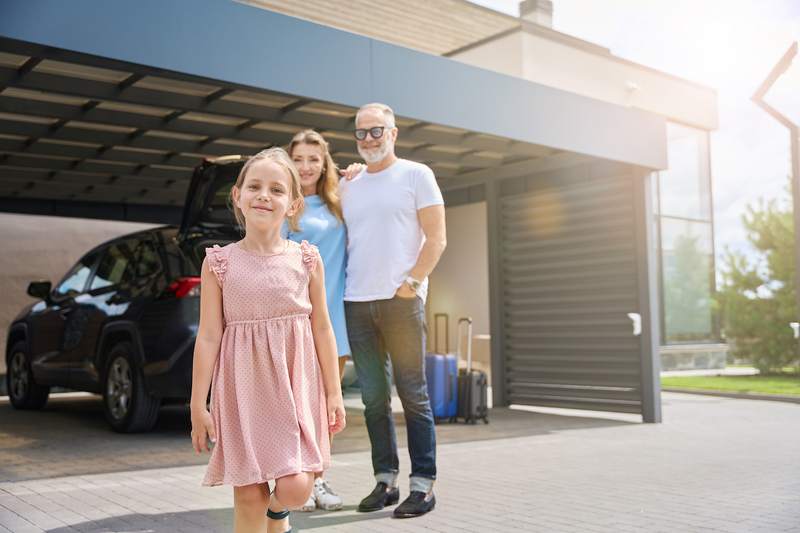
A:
(57, 297)
(155, 246)
(705, 155)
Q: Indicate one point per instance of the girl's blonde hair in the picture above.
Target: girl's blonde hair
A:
(282, 159)
(328, 183)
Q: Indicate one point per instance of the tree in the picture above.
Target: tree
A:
(687, 280)
(757, 297)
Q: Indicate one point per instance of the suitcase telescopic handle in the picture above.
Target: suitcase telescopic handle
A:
(436, 318)
(468, 321)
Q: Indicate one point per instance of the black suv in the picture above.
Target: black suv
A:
(123, 321)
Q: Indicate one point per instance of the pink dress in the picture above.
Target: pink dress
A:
(267, 394)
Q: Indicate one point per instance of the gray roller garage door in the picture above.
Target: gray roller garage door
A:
(570, 275)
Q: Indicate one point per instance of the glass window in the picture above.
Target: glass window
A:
(114, 268)
(687, 263)
(219, 209)
(684, 188)
(75, 281)
(147, 262)
(210, 198)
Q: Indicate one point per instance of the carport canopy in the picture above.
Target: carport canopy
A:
(106, 108)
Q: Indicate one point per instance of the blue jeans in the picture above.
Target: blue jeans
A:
(380, 332)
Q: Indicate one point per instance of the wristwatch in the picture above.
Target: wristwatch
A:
(415, 284)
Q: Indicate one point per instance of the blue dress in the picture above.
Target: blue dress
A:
(321, 228)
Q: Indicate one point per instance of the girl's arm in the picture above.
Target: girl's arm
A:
(325, 343)
(206, 351)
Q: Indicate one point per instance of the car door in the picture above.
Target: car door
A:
(107, 298)
(50, 323)
(153, 313)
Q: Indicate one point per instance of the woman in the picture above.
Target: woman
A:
(322, 225)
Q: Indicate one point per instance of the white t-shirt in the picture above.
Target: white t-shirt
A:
(384, 236)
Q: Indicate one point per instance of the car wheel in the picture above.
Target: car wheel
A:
(23, 391)
(128, 407)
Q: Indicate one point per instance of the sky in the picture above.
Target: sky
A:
(729, 45)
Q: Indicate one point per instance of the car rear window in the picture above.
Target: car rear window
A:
(219, 208)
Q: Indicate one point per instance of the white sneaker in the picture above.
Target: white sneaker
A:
(310, 505)
(327, 500)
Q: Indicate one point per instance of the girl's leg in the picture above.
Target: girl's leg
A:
(334, 502)
(249, 503)
(311, 502)
(325, 498)
(290, 492)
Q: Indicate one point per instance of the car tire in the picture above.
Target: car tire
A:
(23, 391)
(127, 405)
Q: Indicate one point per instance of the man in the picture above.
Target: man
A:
(396, 233)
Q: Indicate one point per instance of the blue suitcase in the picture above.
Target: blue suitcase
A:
(441, 373)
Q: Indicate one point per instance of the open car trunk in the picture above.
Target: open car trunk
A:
(207, 215)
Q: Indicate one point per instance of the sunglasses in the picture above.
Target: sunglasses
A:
(375, 133)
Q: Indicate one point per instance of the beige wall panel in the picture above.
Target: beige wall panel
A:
(436, 27)
(586, 70)
(609, 78)
(459, 285)
(501, 55)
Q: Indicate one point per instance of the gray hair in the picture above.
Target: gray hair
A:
(388, 114)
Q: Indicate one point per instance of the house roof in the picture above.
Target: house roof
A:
(119, 115)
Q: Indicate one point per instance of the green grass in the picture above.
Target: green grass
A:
(785, 385)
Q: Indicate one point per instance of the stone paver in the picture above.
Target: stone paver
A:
(70, 437)
(715, 464)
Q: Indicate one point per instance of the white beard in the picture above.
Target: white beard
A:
(375, 155)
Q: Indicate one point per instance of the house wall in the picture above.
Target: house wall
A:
(535, 53)
(434, 27)
(553, 59)
(504, 54)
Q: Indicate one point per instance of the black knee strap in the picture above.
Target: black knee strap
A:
(280, 515)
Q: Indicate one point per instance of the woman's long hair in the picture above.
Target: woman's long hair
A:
(328, 183)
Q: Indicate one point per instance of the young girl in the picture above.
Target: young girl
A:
(322, 226)
(266, 336)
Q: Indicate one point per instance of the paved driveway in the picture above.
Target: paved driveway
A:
(715, 464)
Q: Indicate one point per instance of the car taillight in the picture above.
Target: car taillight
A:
(189, 286)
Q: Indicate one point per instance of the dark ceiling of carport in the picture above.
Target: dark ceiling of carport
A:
(80, 128)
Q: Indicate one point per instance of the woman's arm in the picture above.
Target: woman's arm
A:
(325, 343)
(206, 351)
